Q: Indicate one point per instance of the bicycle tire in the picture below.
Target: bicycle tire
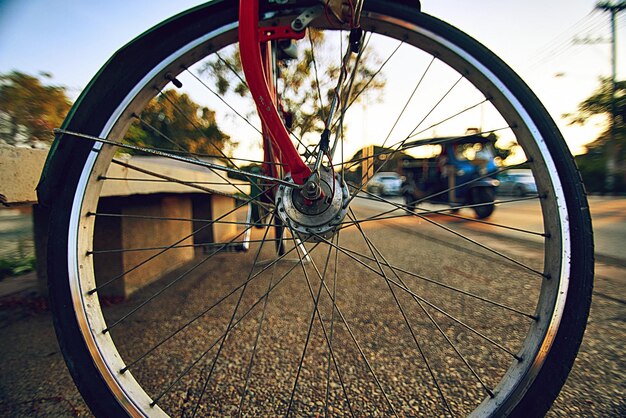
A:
(483, 195)
(71, 168)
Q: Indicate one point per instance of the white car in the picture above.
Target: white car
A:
(385, 184)
(517, 183)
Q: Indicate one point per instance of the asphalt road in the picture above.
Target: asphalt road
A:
(597, 384)
(34, 380)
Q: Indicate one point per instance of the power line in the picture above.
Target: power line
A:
(563, 42)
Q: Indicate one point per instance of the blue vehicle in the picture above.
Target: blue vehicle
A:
(462, 175)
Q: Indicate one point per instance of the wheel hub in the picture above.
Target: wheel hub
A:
(316, 219)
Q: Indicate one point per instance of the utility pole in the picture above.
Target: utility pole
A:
(611, 159)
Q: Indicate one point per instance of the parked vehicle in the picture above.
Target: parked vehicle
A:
(385, 184)
(518, 183)
(463, 174)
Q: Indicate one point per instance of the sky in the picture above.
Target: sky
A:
(72, 39)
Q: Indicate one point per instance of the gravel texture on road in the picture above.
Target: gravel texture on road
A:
(35, 382)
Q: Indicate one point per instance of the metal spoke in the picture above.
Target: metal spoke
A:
(374, 251)
(321, 321)
(408, 101)
(234, 71)
(159, 133)
(395, 269)
(230, 324)
(435, 107)
(196, 127)
(256, 343)
(408, 212)
(170, 284)
(467, 183)
(222, 99)
(403, 145)
(176, 157)
(193, 154)
(317, 80)
(205, 155)
(349, 329)
(473, 241)
(223, 298)
(203, 183)
(341, 94)
(410, 292)
(346, 96)
(356, 96)
(460, 112)
(477, 205)
(173, 179)
(332, 328)
(136, 266)
(444, 212)
(165, 218)
(217, 340)
(221, 245)
(310, 328)
(383, 165)
(458, 321)
(434, 322)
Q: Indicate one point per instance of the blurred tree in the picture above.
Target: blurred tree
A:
(173, 121)
(599, 104)
(30, 109)
(593, 163)
(298, 85)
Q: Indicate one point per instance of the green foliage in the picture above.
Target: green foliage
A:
(599, 103)
(300, 86)
(592, 167)
(15, 266)
(30, 109)
(593, 164)
(173, 121)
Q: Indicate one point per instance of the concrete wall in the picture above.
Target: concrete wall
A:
(220, 205)
(133, 222)
(204, 178)
(20, 169)
(129, 197)
(127, 232)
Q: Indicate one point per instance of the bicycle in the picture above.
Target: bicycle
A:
(460, 322)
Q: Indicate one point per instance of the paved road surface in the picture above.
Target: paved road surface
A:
(34, 381)
(597, 385)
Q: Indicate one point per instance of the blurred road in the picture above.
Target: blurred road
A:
(608, 218)
(608, 215)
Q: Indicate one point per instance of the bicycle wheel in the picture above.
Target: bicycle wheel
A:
(391, 311)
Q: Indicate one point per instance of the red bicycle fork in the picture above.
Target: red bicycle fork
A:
(255, 51)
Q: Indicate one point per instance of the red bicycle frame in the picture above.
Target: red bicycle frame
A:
(258, 72)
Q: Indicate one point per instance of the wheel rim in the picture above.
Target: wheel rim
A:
(515, 378)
